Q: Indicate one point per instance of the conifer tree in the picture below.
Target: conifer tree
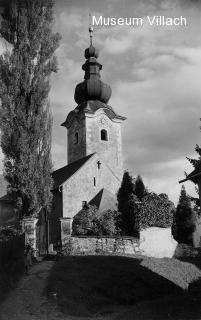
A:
(126, 205)
(139, 188)
(25, 118)
(125, 191)
(184, 220)
(196, 162)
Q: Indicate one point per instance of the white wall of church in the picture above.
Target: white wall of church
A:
(80, 187)
(76, 149)
(110, 150)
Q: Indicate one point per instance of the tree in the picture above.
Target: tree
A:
(25, 118)
(124, 195)
(196, 162)
(139, 188)
(184, 220)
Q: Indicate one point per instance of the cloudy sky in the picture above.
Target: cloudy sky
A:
(155, 76)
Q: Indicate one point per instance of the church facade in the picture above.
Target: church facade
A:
(94, 170)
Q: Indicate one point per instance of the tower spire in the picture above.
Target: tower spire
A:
(90, 29)
(92, 88)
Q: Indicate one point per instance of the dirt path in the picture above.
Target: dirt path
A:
(27, 301)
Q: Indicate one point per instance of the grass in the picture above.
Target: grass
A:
(95, 285)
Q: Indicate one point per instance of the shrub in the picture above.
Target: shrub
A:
(156, 211)
(107, 223)
(83, 221)
(89, 221)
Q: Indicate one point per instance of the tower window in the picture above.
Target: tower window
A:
(104, 135)
(94, 181)
(76, 138)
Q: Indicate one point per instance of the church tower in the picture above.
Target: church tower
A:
(93, 126)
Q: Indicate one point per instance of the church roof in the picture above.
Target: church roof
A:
(104, 200)
(63, 174)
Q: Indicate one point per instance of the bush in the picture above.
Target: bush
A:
(107, 223)
(89, 221)
(83, 221)
(156, 211)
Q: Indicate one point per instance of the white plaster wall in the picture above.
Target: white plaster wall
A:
(80, 187)
(157, 242)
(111, 150)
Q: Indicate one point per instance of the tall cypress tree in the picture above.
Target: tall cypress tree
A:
(25, 118)
(125, 205)
(139, 188)
(184, 220)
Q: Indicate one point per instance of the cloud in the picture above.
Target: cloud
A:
(154, 74)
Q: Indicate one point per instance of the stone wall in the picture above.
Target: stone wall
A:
(101, 245)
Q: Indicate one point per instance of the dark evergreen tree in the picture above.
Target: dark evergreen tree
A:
(126, 205)
(196, 162)
(132, 217)
(184, 220)
(139, 188)
(25, 119)
(125, 191)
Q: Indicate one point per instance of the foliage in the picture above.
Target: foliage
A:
(156, 210)
(107, 223)
(141, 209)
(196, 162)
(125, 191)
(25, 118)
(7, 233)
(184, 220)
(89, 221)
(130, 217)
(139, 188)
(83, 221)
(127, 206)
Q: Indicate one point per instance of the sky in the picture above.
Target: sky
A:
(155, 76)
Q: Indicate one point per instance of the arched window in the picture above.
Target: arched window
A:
(76, 138)
(94, 181)
(104, 135)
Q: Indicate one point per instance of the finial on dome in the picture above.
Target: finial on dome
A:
(91, 52)
(90, 29)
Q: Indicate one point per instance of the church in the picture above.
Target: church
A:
(94, 170)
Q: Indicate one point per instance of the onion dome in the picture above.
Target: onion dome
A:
(92, 88)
